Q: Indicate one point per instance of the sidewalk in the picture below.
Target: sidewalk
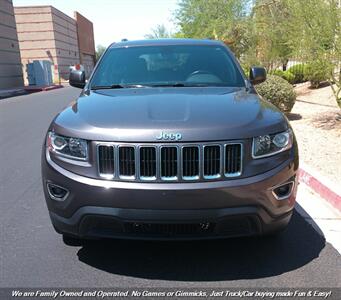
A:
(317, 212)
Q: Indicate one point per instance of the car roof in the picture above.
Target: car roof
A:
(165, 42)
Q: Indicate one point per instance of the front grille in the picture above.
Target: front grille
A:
(162, 162)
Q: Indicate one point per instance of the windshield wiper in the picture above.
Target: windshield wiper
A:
(176, 84)
(116, 86)
(180, 84)
(166, 84)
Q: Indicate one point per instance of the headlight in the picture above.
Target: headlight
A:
(70, 147)
(267, 145)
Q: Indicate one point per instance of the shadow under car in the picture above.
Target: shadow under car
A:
(212, 260)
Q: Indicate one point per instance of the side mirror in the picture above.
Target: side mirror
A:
(257, 75)
(77, 79)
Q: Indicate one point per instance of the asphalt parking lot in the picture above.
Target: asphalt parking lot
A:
(33, 255)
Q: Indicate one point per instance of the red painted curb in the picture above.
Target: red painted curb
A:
(325, 192)
(52, 87)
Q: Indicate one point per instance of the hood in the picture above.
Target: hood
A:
(141, 114)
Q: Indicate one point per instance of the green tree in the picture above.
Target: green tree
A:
(272, 34)
(159, 32)
(226, 20)
(99, 51)
(316, 30)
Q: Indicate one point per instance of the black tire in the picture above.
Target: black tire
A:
(72, 241)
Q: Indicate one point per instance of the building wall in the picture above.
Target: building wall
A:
(36, 35)
(88, 62)
(65, 29)
(45, 33)
(10, 63)
(86, 42)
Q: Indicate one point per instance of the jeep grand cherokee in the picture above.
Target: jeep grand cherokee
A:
(169, 140)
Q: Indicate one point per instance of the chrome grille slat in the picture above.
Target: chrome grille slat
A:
(169, 162)
(233, 160)
(106, 166)
(190, 162)
(148, 163)
(212, 161)
(127, 162)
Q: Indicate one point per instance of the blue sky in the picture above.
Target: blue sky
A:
(116, 19)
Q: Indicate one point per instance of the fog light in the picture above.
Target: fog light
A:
(57, 192)
(283, 191)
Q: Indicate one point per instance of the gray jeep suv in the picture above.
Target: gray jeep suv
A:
(169, 140)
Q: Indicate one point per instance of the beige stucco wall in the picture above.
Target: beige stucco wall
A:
(10, 62)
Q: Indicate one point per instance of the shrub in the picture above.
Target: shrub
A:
(317, 71)
(278, 91)
(246, 69)
(288, 76)
(277, 72)
(298, 72)
(283, 74)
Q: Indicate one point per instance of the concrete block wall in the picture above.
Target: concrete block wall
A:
(45, 33)
(36, 35)
(88, 63)
(65, 29)
(10, 62)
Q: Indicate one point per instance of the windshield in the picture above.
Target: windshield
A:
(172, 65)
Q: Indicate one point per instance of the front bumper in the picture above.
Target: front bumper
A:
(99, 208)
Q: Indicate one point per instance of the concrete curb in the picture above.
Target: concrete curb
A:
(321, 185)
